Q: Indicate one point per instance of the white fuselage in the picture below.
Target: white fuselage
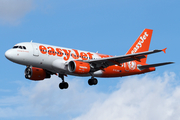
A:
(49, 57)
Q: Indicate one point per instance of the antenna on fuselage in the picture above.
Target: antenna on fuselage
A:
(31, 41)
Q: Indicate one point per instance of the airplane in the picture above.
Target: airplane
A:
(43, 60)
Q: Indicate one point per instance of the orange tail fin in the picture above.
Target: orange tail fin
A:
(142, 43)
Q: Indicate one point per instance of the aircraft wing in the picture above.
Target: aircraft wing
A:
(118, 60)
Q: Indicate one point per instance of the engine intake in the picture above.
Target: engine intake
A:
(36, 74)
(79, 67)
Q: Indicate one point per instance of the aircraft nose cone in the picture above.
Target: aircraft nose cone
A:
(8, 54)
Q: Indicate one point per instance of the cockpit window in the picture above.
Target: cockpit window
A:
(15, 47)
(20, 47)
(24, 47)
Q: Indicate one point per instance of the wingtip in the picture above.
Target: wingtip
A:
(164, 50)
(170, 62)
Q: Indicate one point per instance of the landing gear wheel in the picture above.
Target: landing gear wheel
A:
(63, 85)
(95, 81)
(92, 81)
(66, 85)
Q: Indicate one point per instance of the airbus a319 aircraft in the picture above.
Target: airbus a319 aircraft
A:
(42, 61)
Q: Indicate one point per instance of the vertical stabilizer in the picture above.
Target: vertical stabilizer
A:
(142, 43)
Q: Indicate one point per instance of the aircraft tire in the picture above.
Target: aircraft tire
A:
(95, 81)
(66, 85)
(92, 81)
(63, 85)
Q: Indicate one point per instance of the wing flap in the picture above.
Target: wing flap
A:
(154, 65)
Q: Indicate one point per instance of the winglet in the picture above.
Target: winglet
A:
(164, 50)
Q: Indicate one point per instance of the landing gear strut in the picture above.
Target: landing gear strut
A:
(63, 84)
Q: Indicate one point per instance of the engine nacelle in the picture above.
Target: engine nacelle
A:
(79, 67)
(36, 74)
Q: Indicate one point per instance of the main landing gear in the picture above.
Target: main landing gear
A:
(63, 84)
(92, 81)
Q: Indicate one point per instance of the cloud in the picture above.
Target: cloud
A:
(147, 98)
(11, 11)
(44, 98)
(144, 98)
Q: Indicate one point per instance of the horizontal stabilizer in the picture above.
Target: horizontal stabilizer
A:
(153, 65)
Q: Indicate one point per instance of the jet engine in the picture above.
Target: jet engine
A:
(79, 67)
(36, 74)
